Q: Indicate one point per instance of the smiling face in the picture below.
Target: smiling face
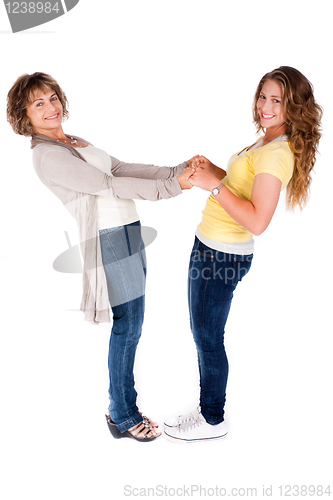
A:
(45, 113)
(270, 107)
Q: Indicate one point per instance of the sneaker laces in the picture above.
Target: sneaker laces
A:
(183, 419)
(191, 422)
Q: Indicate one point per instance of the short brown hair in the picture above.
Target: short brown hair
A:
(22, 94)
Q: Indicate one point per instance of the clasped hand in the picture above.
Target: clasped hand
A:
(198, 174)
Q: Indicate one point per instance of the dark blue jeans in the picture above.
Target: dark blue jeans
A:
(213, 277)
(124, 262)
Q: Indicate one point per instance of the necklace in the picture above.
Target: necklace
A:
(72, 140)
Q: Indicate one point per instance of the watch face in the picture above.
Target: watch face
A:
(217, 190)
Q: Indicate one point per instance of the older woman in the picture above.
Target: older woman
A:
(98, 190)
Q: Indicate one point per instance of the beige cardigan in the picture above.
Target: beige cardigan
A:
(76, 183)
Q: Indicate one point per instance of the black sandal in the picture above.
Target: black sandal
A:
(141, 432)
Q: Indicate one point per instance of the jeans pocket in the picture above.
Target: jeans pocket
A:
(243, 258)
(205, 253)
(109, 230)
(242, 265)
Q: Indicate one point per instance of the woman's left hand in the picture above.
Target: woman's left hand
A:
(192, 161)
(204, 180)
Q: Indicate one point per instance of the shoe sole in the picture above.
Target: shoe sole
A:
(169, 426)
(199, 440)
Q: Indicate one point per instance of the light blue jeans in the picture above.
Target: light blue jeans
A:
(124, 262)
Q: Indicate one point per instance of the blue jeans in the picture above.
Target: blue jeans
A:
(213, 277)
(124, 262)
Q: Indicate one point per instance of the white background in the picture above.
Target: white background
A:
(157, 82)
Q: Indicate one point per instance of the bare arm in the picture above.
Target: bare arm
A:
(254, 215)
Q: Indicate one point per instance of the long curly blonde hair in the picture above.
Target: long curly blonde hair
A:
(303, 118)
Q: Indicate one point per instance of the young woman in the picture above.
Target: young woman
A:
(98, 190)
(242, 203)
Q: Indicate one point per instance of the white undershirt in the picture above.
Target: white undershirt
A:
(111, 211)
(237, 248)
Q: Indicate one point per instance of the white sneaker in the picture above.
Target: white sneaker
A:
(176, 421)
(193, 429)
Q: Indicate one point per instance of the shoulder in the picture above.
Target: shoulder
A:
(51, 156)
(43, 148)
(274, 147)
(274, 151)
(49, 149)
(275, 158)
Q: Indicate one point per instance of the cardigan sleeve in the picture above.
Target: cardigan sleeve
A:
(142, 171)
(60, 167)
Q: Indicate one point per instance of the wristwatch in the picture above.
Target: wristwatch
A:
(216, 190)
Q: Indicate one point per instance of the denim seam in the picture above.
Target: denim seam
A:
(128, 241)
(206, 286)
(118, 262)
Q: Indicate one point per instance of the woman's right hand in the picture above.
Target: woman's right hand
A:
(183, 179)
(190, 162)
